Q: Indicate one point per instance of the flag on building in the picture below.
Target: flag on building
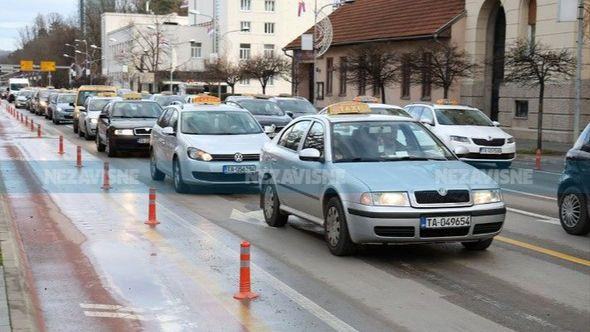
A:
(301, 8)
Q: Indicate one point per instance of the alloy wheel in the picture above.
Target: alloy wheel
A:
(269, 200)
(333, 226)
(571, 209)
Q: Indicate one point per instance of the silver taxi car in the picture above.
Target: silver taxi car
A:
(370, 178)
(88, 117)
(206, 144)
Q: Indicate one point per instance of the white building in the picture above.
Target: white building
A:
(272, 24)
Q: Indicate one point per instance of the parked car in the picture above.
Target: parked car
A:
(88, 117)
(206, 144)
(373, 179)
(573, 194)
(62, 109)
(266, 112)
(294, 106)
(238, 98)
(84, 92)
(126, 125)
(466, 126)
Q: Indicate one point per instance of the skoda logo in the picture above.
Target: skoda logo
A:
(238, 157)
(489, 138)
(442, 192)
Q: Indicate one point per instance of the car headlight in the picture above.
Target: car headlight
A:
(510, 140)
(59, 109)
(197, 154)
(94, 121)
(460, 139)
(486, 196)
(385, 199)
(124, 132)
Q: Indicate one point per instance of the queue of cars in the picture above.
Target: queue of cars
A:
(367, 172)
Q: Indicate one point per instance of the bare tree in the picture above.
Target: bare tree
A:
(374, 64)
(295, 76)
(264, 68)
(225, 71)
(442, 64)
(536, 65)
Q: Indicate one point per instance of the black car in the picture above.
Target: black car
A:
(167, 100)
(573, 194)
(126, 125)
(266, 112)
(295, 106)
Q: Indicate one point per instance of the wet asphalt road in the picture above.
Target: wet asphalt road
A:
(93, 259)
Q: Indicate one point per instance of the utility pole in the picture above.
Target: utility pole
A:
(580, 46)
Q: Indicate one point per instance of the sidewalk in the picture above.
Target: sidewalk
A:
(553, 148)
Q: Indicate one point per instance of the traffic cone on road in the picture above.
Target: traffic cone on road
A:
(61, 145)
(78, 156)
(39, 130)
(152, 221)
(245, 291)
(538, 160)
(106, 181)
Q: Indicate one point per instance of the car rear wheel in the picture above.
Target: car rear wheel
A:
(271, 206)
(157, 175)
(81, 133)
(573, 213)
(336, 229)
(179, 184)
(478, 245)
(99, 146)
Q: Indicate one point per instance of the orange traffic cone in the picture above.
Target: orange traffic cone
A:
(78, 156)
(152, 221)
(106, 182)
(245, 292)
(61, 145)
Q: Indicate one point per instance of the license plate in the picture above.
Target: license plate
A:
(490, 150)
(239, 169)
(143, 140)
(445, 222)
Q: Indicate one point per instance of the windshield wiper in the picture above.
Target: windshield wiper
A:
(413, 158)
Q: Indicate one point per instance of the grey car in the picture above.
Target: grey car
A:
(88, 118)
(295, 106)
(61, 108)
(266, 112)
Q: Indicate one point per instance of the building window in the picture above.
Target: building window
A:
(246, 5)
(343, 73)
(245, 81)
(406, 74)
(532, 21)
(319, 91)
(269, 5)
(245, 51)
(426, 78)
(245, 26)
(269, 28)
(329, 75)
(269, 50)
(196, 50)
(271, 81)
(522, 109)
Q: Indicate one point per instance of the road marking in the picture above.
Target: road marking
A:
(545, 251)
(107, 307)
(107, 314)
(253, 217)
(529, 194)
(538, 171)
(540, 217)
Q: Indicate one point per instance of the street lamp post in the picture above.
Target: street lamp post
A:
(579, 63)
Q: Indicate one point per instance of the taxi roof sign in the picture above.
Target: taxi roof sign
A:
(205, 99)
(447, 102)
(366, 99)
(106, 94)
(348, 107)
(132, 96)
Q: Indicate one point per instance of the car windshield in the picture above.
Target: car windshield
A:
(25, 93)
(389, 111)
(261, 107)
(66, 99)
(97, 104)
(17, 86)
(373, 141)
(134, 109)
(83, 95)
(167, 100)
(296, 106)
(219, 123)
(462, 117)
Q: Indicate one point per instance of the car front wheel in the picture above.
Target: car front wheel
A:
(336, 229)
(273, 215)
(573, 213)
(179, 184)
(111, 150)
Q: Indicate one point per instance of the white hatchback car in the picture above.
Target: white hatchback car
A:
(478, 138)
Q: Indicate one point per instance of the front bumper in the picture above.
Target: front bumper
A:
(378, 225)
(130, 143)
(63, 116)
(20, 103)
(211, 173)
(508, 153)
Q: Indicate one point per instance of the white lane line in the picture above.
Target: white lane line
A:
(70, 126)
(304, 302)
(107, 307)
(538, 171)
(529, 194)
(107, 314)
(539, 217)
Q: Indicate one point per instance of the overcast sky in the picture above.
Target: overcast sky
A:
(16, 14)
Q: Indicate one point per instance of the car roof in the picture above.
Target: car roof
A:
(357, 117)
(375, 105)
(205, 108)
(444, 106)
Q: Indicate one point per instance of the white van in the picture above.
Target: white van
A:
(14, 85)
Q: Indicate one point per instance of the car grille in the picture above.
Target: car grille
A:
(142, 131)
(504, 156)
(487, 228)
(433, 197)
(443, 232)
(485, 142)
(221, 177)
(231, 157)
(395, 231)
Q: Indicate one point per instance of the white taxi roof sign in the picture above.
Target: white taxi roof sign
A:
(132, 96)
(106, 94)
(348, 107)
(447, 102)
(205, 99)
(366, 99)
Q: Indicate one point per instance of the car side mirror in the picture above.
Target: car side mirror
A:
(310, 154)
(290, 114)
(270, 129)
(72, 104)
(586, 147)
(461, 150)
(496, 123)
(427, 122)
(168, 131)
